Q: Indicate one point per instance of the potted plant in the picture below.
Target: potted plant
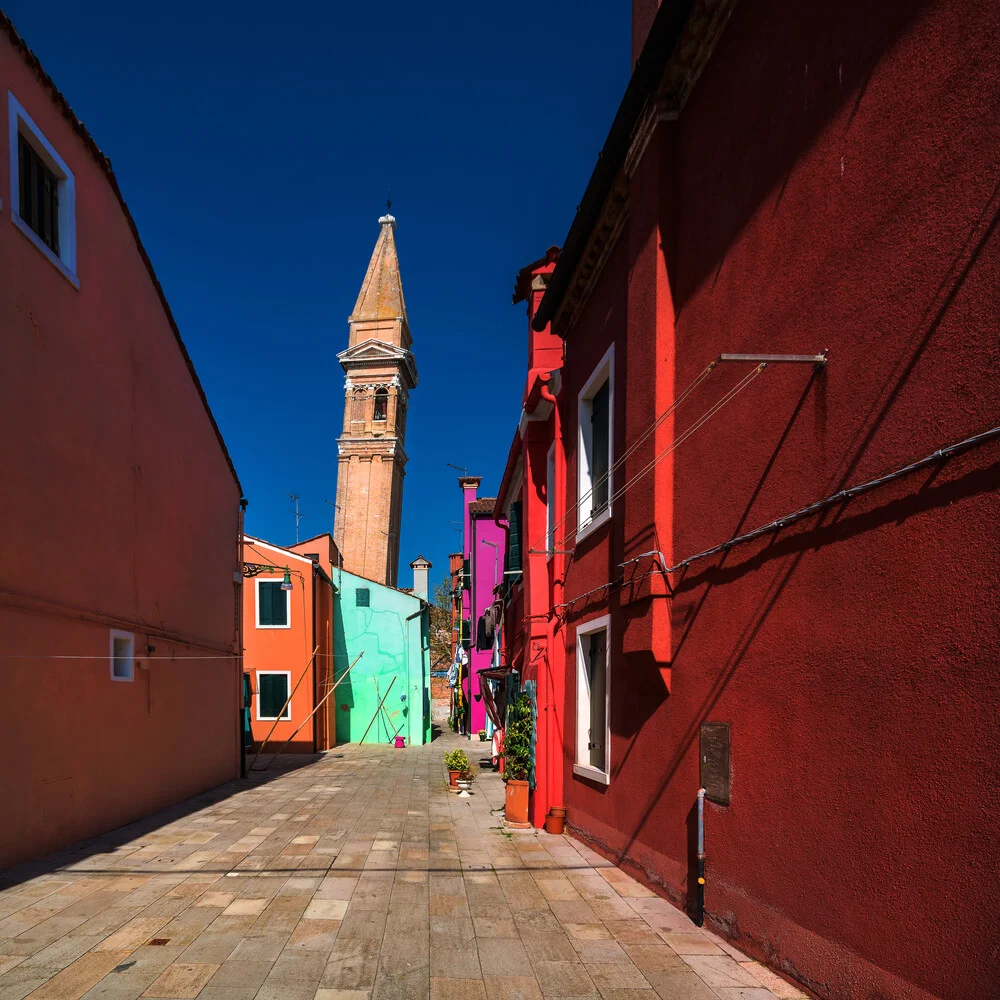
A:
(482, 735)
(457, 762)
(517, 762)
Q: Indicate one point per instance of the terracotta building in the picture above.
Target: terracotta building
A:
(769, 567)
(371, 462)
(119, 562)
(288, 614)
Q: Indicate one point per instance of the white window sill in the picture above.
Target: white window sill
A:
(594, 523)
(46, 251)
(273, 718)
(592, 774)
(275, 626)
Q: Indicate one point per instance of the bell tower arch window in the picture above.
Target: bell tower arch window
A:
(381, 411)
(358, 406)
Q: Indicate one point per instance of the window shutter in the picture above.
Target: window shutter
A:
(272, 690)
(600, 451)
(512, 560)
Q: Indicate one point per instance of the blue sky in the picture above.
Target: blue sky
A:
(255, 144)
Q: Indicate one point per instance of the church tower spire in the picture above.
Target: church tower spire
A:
(371, 459)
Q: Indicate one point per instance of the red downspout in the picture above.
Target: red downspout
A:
(553, 743)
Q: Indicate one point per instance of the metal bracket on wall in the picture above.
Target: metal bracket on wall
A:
(779, 359)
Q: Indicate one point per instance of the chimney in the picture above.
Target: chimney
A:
(420, 566)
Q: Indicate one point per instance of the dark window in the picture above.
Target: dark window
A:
(381, 404)
(272, 603)
(272, 693)
(466, 633)
(512, 559)
(466, 575)
(362, 597)
(597, 678)
(38, 200)
(600, 450)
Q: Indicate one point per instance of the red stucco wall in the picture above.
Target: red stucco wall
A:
(121, 511)
(832, 183)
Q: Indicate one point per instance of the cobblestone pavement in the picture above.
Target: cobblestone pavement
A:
(345, 876)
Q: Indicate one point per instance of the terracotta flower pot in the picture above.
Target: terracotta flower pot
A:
(516, 804)
(453, 778)
(554, 823)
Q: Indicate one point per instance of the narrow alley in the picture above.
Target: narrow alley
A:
(350, 875)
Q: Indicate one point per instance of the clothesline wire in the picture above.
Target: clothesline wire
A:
(684, 435)
(632, 447)
(672, 447)
(138, 656)
(777, 524)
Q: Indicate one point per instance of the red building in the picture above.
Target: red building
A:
(120, 555)
(781, 180)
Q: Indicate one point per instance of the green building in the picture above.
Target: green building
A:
(392, 628)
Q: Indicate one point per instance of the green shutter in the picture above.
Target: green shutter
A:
(512, 559)
(272, 692)
(272, 603)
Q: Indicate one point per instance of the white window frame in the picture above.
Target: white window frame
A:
(288, 709)
(604, 372)
(581, 763)
(130, 638)
(19, 123)
(256, 600)
(550, 500)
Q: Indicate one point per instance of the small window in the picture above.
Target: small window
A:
(381, 404)
(272, 693)
(593, 733)
(272, 605)
(122, 655)
(38, 195)
(42, 191)
(362, 597)
(595, 415)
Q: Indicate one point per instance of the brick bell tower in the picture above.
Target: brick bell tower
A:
(371, 460)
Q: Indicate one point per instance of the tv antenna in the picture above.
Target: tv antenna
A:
(461, 468)
(298, 516)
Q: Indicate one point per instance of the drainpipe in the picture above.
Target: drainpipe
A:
(558, 573)
(699, 911)
(239, 639)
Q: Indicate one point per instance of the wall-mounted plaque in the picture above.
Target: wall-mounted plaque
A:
(715, 761)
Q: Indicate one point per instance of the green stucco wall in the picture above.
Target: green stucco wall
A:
(393, 633)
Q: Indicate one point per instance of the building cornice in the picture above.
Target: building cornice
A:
(679, 45)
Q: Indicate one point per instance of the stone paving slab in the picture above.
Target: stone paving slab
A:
(352, 875)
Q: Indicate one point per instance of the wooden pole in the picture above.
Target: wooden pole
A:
(260, 749)
(377, 710)
(385, 713)
(319, 705)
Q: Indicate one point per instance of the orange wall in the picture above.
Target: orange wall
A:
(282, 648)
(124, 513)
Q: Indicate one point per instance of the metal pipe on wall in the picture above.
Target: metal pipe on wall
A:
(699, 912)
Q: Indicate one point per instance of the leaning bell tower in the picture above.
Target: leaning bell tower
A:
(371, 459)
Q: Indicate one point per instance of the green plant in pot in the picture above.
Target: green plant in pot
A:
(457, 762)
(482, 735)
(517, 761)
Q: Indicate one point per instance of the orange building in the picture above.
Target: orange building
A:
(119, 562)
(288, 607)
